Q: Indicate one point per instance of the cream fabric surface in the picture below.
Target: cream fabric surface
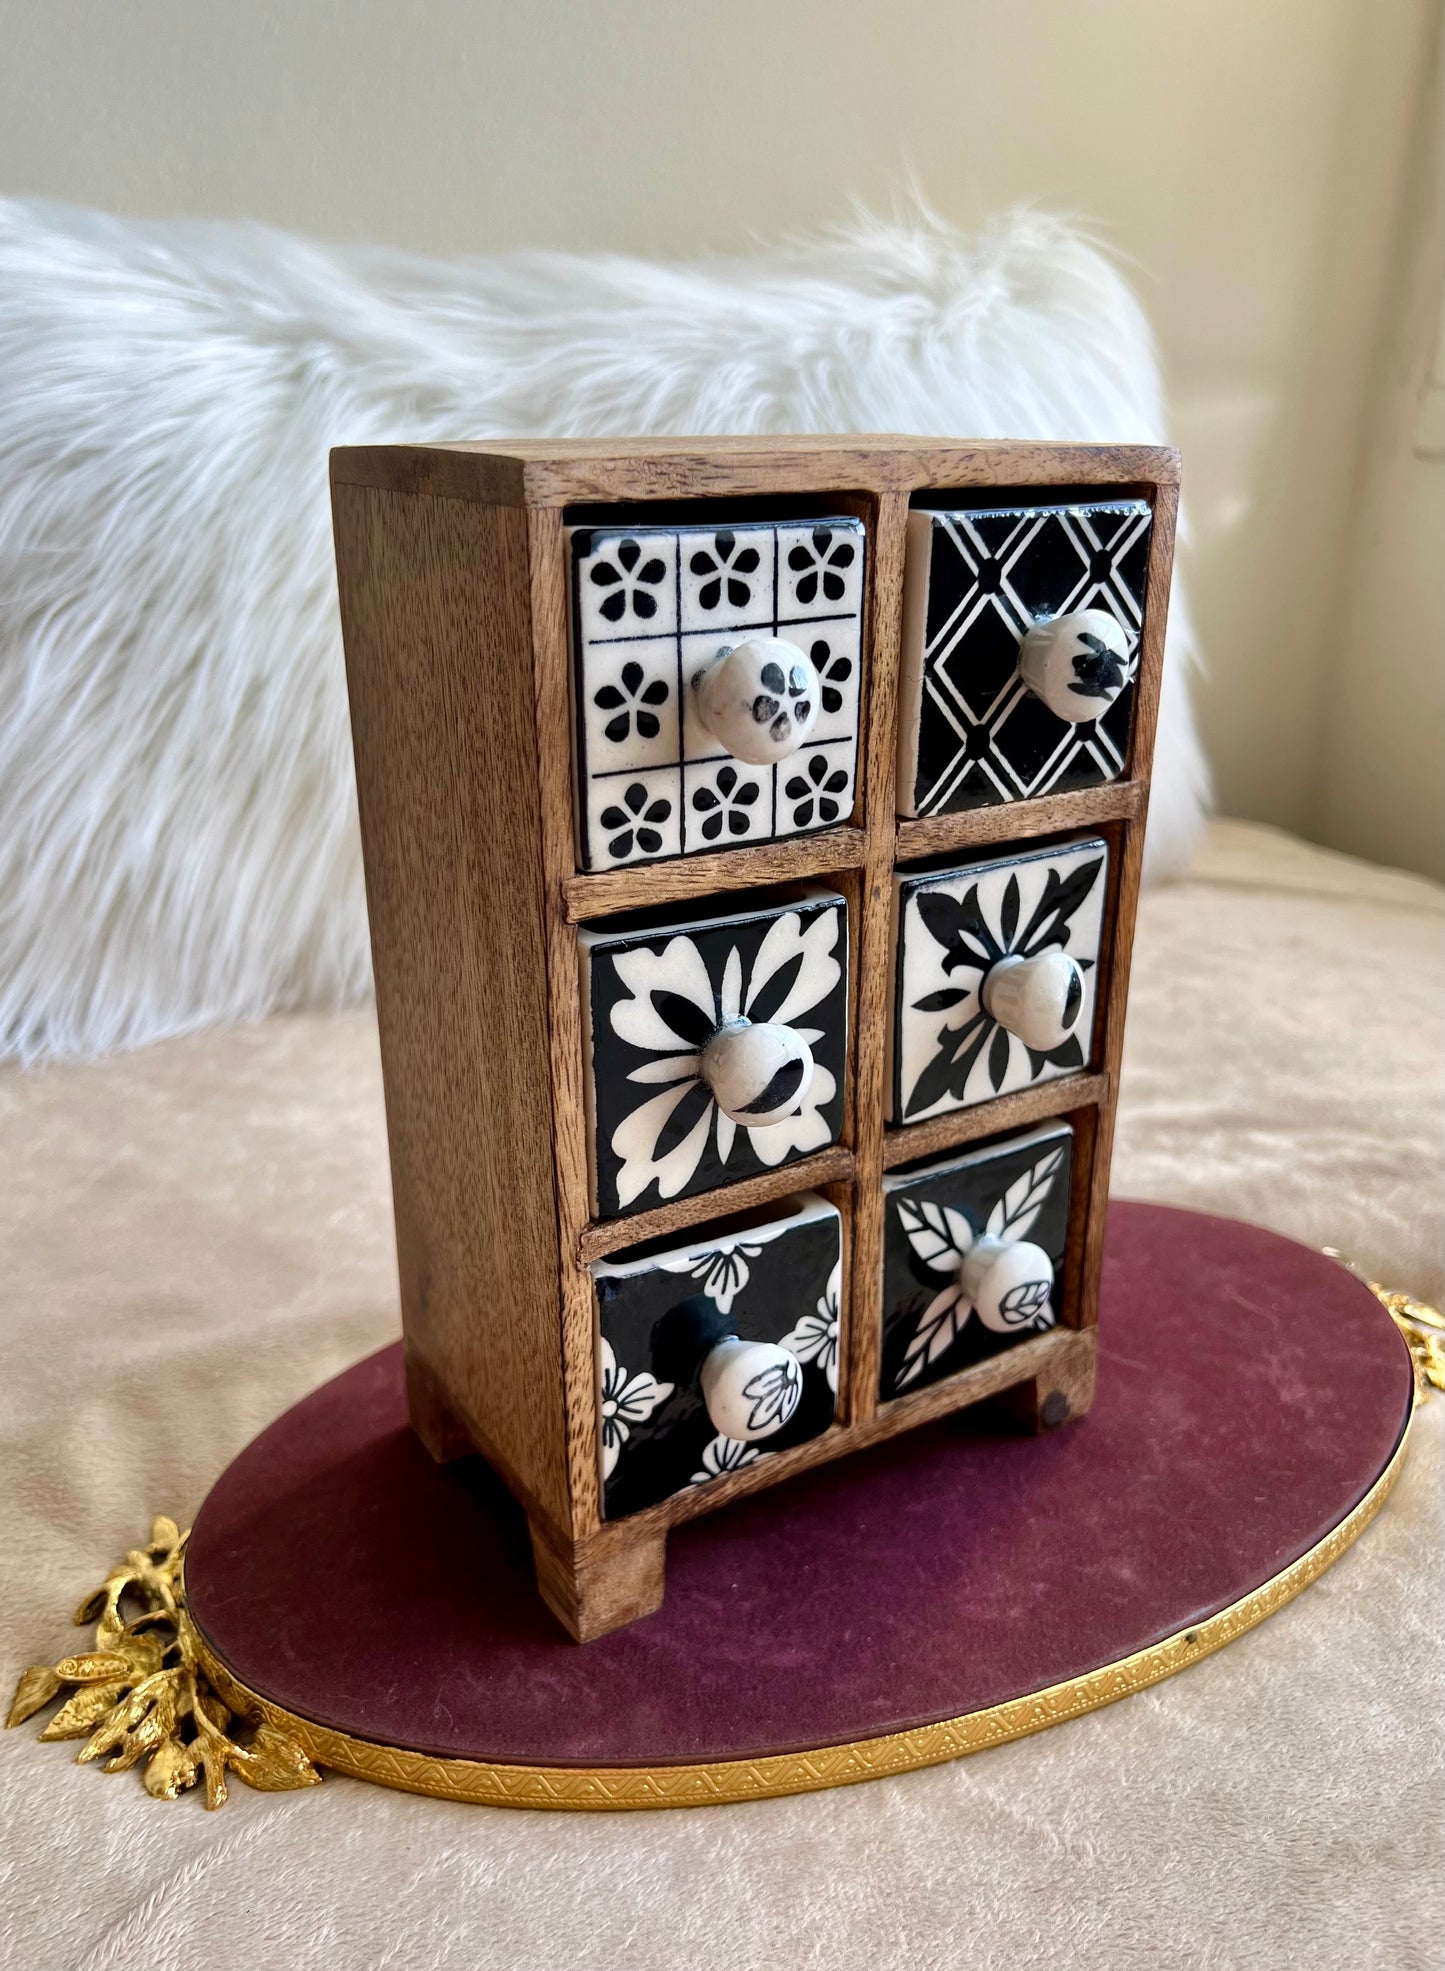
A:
(194, 1236)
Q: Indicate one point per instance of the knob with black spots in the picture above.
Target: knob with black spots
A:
(759, 699)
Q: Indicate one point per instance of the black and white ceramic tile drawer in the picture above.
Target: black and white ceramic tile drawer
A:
(716, 1352)
(716, 1043)
(973, 1246)
(715, 679)
(1020, 649)
(995, 966)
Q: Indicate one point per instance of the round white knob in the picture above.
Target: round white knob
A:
(758, 1073)
(750, 1388)
(759, 698)
(1077, 663)
(1009, 1282)
(1038, 998)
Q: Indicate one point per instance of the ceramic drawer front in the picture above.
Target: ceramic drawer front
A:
(1020, 649)
(653, 611)
(995, 968)
(772, 1283)
(973, 1248)
(716, 1045)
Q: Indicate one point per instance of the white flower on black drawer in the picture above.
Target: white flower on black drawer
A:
(815, 1339)
(673, 1009)
(723, 570)
(721, 1272)
(724, 1454)
(818, 564)
(988, 923)
(631, 700)
(941, 1237)
(626, 1400)
(630, 581)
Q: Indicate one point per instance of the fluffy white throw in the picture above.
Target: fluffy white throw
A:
(178, 839)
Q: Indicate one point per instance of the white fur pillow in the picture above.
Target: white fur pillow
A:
(178, 839)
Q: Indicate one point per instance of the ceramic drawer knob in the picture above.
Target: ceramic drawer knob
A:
(1038, 998)
(758, 1072)
(1008, 1282)
(750, 1388)
(1077, 663)
(759, 699)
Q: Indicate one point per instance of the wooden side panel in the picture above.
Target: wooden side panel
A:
(436, 616)
(1126, 845)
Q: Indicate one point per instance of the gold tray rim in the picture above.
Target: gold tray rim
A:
(725, 1782)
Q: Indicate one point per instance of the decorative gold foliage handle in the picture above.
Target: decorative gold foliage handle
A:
(1422, 1326)
(140, 1693)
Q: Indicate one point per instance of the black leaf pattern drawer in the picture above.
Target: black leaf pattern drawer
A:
(1021, 637)
(715, 684)
(972, 1247)
(733, 1331)
(716, 1045)
(994, 975)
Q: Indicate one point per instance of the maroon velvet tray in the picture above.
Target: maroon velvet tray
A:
(1251, 1395)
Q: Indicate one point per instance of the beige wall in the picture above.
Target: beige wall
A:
(1252, 157)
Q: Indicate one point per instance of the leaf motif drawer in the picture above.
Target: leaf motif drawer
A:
(715, 681)
(994, 975)
(1021, 637)
(716, 1352)
(716, 1044)
(972, 1246)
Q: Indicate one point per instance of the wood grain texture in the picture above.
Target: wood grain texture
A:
(1126, 841)
(576, 1338)
(959, 1127)
(558, 473)
(599, 1237)
(1018, 821)
(594, 1585)
(862, 1339)
(1062, 1390)
(438, 636)
(792, 860)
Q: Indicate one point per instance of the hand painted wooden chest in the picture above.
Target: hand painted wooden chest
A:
(752, 835)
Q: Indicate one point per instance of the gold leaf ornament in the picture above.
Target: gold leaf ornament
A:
(141, 1695)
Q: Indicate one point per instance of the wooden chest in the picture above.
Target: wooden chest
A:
(752, 835)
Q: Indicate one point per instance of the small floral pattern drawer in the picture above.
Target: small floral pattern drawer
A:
(994, 976)
(1020, 648)
(971, 1250)
(716, 1046)
(715, 684)
(737, 1328)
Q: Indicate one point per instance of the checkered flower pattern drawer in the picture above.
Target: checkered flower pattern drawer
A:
(652, 607)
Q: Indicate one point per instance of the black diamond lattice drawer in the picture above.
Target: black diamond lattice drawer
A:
(1020, 649)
